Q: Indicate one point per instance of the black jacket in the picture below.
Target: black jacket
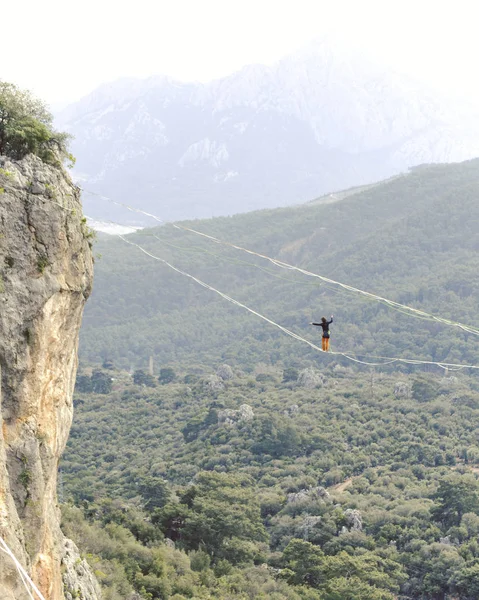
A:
(325, 325)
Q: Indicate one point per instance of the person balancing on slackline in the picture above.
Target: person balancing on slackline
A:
(325, 325)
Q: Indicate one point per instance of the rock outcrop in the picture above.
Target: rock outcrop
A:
(402, 389)
(316, 493)
(310, 378)
(354, 519)
(45, 279)
(229, 416)
(225, 372)
(78, 580)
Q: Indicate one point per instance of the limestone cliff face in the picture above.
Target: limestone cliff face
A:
(45, 279)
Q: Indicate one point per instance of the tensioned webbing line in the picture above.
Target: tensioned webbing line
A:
(386, 360)
(197, 249)
(403, 308)
(24, 576)
(389, 360)
(409, 310)
(194, 249)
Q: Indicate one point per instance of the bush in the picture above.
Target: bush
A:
(100, 382)
(290, 374)
(200, 560)
(424, 389)
(142, 378)
(83, 384)
(167, 375)
(26, 127)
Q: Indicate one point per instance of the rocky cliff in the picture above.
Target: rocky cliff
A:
(45, 279)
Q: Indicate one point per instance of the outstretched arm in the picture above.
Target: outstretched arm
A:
(331, 320)
(318, 324)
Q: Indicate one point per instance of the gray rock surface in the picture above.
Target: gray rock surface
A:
(308, 494)
(291, 410)
(402, 389)
(310, 378)
(78, 580)
(213, 383)
(225, 372)
(228, 416)
(309, 523)
(45, 279)
(353, 519)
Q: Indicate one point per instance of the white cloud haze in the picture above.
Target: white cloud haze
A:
(62, 50)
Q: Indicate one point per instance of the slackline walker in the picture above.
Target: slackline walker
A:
(324, 324)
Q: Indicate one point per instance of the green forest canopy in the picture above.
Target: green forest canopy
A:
(315, 485)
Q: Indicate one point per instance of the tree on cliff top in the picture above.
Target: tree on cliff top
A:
(26, 127)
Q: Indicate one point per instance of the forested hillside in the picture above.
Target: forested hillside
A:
(413, 239)
(277, 484)
(250, 466)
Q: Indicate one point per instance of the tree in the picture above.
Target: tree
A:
(342, 576)
(167, 375)
(154, 491)
(108, 364)
(83, 384)
(100, 382)
(193, 427)
(434, 568)
(220, 514)
(467, 582)
(276, 438)
(305, 563)
(26, 127)
(290, 374)
(454, 497)
(352, 588)
(142, 378)
(424, 389)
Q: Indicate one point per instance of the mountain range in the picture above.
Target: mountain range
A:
(322, 119)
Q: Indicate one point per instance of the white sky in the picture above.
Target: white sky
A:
(62, 49)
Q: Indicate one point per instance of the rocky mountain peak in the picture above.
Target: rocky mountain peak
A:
(322, 119)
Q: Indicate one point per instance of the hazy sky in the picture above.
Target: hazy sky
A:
(62, 49)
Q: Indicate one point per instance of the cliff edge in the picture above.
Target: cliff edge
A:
(45, 279)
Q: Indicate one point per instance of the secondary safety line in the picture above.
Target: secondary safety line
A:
(21, 571)
(386, 359)
(408, 310)
(284, 265)
(197, 249)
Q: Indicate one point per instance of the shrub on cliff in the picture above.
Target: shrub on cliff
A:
(26, 127)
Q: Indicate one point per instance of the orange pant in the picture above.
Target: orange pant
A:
(325, 344)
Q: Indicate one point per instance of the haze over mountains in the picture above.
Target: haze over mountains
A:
(319, 120)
